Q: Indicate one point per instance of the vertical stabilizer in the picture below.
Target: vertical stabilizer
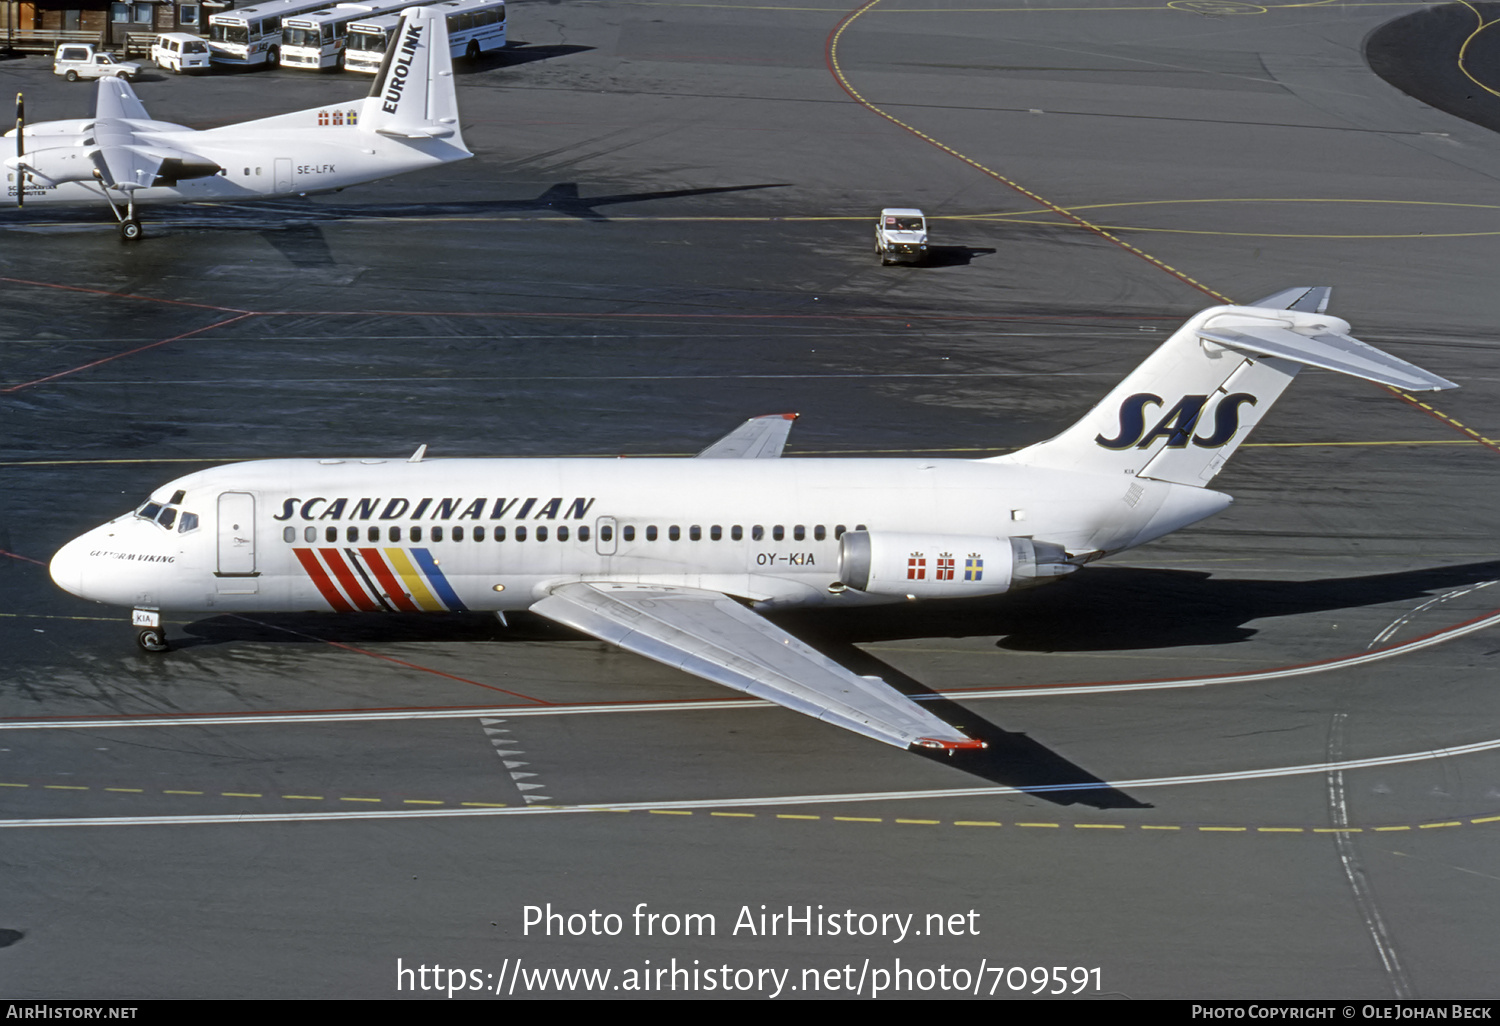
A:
(1181, 414)
(414, 95)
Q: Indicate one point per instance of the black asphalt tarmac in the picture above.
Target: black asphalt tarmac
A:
(1256, 759)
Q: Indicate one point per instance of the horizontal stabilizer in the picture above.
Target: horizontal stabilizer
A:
(1330, 351)
(711, 635)
(759, 438)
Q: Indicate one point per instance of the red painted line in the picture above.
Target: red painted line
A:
(352, 587)
(320, 580)
(121, 356)
(393, 589)
(573, 315)
(123, 295)
(26, 559)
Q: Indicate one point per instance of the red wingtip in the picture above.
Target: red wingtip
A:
(932, 742)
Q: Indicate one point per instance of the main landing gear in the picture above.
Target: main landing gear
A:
(130, 225)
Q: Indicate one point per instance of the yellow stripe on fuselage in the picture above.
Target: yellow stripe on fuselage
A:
(413, 581)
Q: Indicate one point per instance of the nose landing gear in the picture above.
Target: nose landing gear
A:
(152, 639)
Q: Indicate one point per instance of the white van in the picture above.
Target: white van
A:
(179, 51)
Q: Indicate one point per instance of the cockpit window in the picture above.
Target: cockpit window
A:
(168, 516)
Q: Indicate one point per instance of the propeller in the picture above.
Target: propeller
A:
(20, 149)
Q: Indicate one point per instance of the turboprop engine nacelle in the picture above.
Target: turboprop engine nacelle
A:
(54, 164)
(945, 565)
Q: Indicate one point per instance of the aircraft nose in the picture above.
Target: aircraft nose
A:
(67, 567)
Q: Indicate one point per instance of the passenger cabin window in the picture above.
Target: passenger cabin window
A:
(353, 535)
(373, 534)
(458, 534)
(799, 533)
(818, 533)
(757, 533)
(736, 532)
(778, 532)
(583, 533)
(650, 533)
(437, 534)
(288, 534)
(309, 534)
(479, 534)
(607, 533)
(674, 533)
(499, 534)
(332, 534)
(395, 534)
(541, 533)
(562, 534)
(416, 534)
(715, 532)
(628, 532)
(520, 534)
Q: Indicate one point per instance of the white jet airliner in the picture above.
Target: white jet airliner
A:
(123, 158)
(672, 558)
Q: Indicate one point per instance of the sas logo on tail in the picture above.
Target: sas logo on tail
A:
(1178, 424)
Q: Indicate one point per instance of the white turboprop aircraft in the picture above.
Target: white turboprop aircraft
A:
(671, 558)
(123, 158)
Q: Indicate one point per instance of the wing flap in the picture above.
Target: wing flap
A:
(759, 438)
(712, 636)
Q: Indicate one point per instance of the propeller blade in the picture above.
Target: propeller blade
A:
(20, 149)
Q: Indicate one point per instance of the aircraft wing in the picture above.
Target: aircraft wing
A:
(116, 100)
(759, 438)
(711, 635)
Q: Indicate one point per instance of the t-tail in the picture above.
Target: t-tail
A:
(414, 96)
(1181, 414)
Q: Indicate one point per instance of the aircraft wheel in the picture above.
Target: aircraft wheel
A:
(130, 231)
(71, 76)
(152, 639)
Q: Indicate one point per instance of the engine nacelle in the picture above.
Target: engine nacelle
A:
(945, 565)
(54, 164)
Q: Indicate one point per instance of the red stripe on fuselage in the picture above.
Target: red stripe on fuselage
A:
(320, 579)
(393, 590)
(352, 587)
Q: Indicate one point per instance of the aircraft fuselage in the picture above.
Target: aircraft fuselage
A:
(498, 534)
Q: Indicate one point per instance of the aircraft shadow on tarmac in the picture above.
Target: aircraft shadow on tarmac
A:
(293, 226)
(1125, 608)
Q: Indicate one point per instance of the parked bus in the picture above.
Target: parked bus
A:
(474, 27)
(315, 41)
(248, 36)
